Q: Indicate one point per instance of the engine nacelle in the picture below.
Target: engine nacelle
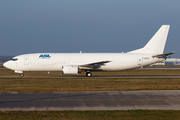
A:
(70, 69)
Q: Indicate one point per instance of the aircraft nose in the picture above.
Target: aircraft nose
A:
(7, 64)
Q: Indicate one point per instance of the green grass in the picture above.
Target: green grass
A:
(92, 115)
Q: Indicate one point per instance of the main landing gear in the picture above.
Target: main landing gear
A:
(88, 74)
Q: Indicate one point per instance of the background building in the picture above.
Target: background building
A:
(172, 61)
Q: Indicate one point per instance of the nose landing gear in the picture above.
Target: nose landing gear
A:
(22, 75)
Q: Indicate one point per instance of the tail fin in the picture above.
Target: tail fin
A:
(157, 43)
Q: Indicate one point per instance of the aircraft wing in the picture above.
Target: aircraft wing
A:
(163, 55)
(94, 65)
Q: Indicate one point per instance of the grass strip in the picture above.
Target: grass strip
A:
(86, 84)
(92, 115)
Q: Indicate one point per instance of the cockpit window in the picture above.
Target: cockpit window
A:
(14, 59)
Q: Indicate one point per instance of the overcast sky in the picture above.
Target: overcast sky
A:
(32, 26)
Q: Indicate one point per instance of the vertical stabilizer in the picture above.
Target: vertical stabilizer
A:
(157, 42)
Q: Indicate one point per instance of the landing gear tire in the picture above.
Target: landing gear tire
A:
(88, 74)
(22, 75)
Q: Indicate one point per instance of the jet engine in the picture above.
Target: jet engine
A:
(70, 69)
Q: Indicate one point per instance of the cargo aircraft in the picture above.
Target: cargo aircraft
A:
(74, 63)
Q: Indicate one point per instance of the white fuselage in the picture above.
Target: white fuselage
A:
(55, 61)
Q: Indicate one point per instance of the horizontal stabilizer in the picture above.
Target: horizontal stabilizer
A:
(163, 55)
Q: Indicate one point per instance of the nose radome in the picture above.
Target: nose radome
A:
(6, 64)
(10, 65)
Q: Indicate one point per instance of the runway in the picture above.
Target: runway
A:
(108, 100)
(116, 76)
